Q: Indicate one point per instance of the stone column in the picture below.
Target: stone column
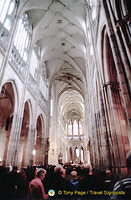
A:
(115, 134)
(47, 148)
(107, 158)
(9, 47)
(123, 41)
(12, 148)
(119, 64)
(31, 146)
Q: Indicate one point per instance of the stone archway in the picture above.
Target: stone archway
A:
(7, 104)
(38, 159)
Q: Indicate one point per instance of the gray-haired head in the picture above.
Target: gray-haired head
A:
(40, 171)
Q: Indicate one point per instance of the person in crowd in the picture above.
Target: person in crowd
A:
(92, 180)
(59, 182)
(109, 180)
(3, 183)
(30, 173)
(74, 182)
(16, 185)
(36, 187)
(49, 179)
(122, 188)
(60, 171)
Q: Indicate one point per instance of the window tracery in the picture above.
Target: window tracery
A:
(7, 15)
(75, 129)
(23, 36)
(7, 9)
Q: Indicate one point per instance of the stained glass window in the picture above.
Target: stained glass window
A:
(51, 107)
(75, 128)
(70, 128)
(7, 8)
(5, 5)
(22, 39)
(80, 128)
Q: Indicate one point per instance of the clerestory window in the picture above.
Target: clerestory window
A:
(23, 37)
(7, 8)
(70, 128)
(75, 129)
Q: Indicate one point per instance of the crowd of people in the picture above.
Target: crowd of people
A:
(63, 182)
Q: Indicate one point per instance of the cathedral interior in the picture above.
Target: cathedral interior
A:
(65, 82)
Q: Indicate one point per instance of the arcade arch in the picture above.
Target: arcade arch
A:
(38, 149)
(7, 106)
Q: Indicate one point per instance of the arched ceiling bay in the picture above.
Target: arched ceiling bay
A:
(69, 85)
(59, 28)
(71, 104)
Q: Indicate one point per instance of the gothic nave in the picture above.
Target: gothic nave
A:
(65, 83)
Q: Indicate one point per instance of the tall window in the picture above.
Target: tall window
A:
(23, 37)
(75, 129)
(7, 8)
(80, 128)
(51, 107)
(70, 128)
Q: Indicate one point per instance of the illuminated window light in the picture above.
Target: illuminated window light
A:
(51, 107)
(34, 152)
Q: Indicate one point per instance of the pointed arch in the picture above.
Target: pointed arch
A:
(8, 106)
(38, 157)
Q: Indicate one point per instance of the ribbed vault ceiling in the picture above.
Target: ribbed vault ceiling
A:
(59, 28)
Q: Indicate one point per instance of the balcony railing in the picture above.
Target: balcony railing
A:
(31, 84)
(20, 66)
(18, 63)
(76, 138)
